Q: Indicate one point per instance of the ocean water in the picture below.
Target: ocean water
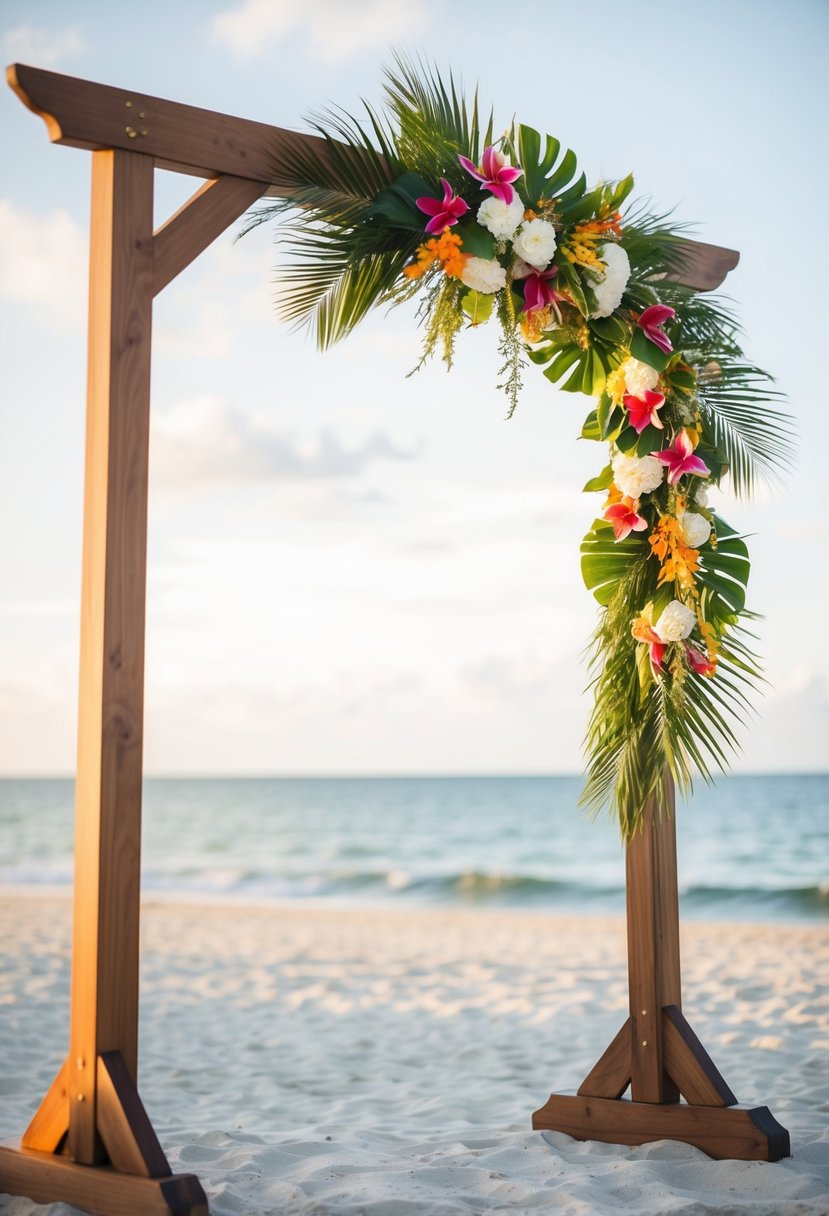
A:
(751, 848)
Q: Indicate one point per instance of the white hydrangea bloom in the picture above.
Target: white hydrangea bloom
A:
(675, 623)
(610, 290)
(499, 217)
(695, 528)
(484, 275)
(636, 475)
(639, 378)
(536, 243)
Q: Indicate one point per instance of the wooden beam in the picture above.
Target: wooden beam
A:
(206, 143)
(99, 1190)
(610, 1076)
(48, 1128)
(183, 138)
(741, 1132)
(653, 947)
(197, 224)
(131, 1144)
(689, 1065)
(104, 999)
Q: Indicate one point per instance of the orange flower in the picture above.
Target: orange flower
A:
(678, 562)
(445, 249)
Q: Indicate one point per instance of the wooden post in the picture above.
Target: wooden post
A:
(656, 1052)
(653, 950)
(104, 1007)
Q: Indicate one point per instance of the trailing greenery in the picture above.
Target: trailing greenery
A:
(418, 200)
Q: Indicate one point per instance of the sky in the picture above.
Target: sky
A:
(352, 571)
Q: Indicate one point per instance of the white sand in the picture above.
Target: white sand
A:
(386, 1063)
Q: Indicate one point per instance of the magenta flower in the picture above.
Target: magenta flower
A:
(538, 291)
(643, 410)
(700, 662)
(445, 211)
(624, 519)
(680, 459)
(494, 174)
(651, 321)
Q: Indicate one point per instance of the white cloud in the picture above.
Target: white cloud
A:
(335, 30)
(205, 441)
(42, 47)
(43, 261)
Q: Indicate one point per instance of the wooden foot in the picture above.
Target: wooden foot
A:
(97, 1189)
(740, 1132)
(710, 1116)
(136, 1178)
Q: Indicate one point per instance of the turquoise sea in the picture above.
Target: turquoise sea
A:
(751, 848)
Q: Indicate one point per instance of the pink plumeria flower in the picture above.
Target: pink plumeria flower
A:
(445, 211)
(494, 174)
(643, 410)
(679, 459)
(538, 290)
(624, 518)
(700, 662)
(651, 321)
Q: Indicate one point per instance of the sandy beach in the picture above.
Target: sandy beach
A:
(309, 1060)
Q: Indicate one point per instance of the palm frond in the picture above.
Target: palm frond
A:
(740, 410)
(434, 124)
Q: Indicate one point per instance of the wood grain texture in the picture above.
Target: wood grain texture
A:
(206, 143)
(183, 138)
(689, 1065)
(48, 1128)
(104, 1002)
(131, 1144)
(197, 224)
(99, 1190)
(653, 948)
(741, 1133)
(610, 1076)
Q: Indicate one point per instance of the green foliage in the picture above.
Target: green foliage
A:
(350, 223)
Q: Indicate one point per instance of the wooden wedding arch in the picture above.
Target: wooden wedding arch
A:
(91, 1143)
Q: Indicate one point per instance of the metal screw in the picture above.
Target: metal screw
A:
(81, 1062)
(644, 1042)
(128, 104)
(131, 132)
(141, 114)
(144, 131)
(644, 1013)
(81, 1098)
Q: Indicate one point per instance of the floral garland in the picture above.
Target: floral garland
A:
(422, 202)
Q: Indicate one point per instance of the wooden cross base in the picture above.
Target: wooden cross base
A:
(101, 1190)
(656, 1052)
(710, 1118)
(126, 1172)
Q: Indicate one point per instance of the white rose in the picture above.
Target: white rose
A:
(499, 217)
(675, 623)
(611, 288)
(695, 528)
(639, 378)
(636, 475)
(536, 243)
(484, 275)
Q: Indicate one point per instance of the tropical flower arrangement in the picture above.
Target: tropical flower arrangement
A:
(421, 201)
